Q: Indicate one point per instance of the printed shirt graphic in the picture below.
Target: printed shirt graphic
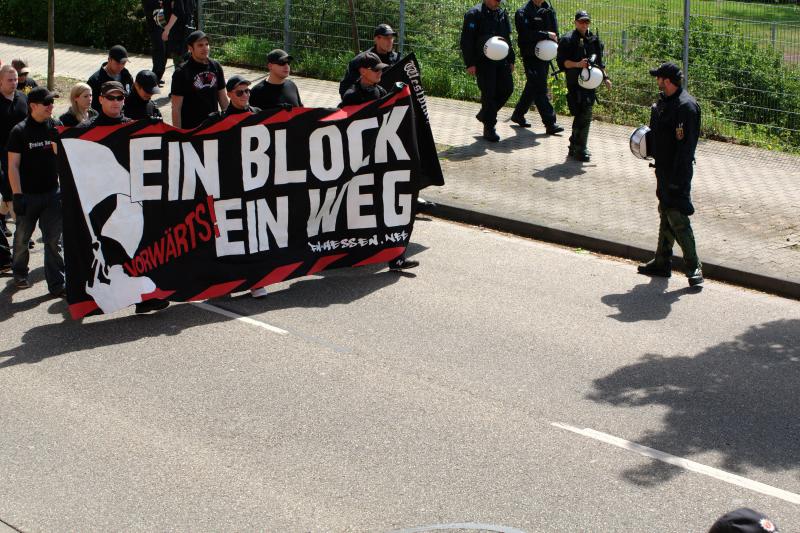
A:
(198, 84)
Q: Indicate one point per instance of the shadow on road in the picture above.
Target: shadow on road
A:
(567, 170)
(523, 138)
(738, 399)
(648, 301)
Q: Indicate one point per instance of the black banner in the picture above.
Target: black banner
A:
(408, 72)
(151, 211)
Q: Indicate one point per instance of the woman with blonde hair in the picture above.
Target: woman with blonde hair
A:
(80, 102)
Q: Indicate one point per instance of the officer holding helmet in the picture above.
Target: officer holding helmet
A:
(675, 126)
(577, 50)
(536, 22)
(481, 23)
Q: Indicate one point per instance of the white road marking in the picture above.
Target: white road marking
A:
(240, 318)
(715, 473)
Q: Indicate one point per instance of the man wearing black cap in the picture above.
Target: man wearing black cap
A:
(13, 109)
(112, 101)
(744, 520)
(33, 172)
(384, 37)
(675, 126)
(481, 23)
(535, 21)
(366, 88)
(198, 86)
(575, 50)
(139, 103)
(112, 70)
(276, 89)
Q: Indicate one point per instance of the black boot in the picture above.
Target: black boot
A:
(489, 134)
(520, 121)
(695, 276)
(656, 267)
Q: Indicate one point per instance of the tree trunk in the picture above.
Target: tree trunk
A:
(354, 27)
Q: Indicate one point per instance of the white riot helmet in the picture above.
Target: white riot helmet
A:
(590, 78)
(639, 141)
(496, 48)
(546, 50)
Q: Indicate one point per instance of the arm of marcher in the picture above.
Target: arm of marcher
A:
(222, 96)
(13, 172)
(177, 104)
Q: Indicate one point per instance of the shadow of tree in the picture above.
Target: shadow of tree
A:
(647, 301)
(738, 399)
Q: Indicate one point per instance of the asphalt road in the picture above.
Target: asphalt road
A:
(484, 389)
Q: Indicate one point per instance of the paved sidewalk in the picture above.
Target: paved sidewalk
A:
(747, 223)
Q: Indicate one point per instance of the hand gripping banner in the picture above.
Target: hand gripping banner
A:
(151, 211)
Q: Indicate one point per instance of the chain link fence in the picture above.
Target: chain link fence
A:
(743, 57)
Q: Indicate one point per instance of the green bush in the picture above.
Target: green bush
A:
(100, 24)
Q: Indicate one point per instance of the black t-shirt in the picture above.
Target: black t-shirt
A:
(27, 85)
(199, 85)
(148, 6)
(266, 94)
(104, 120)
(97, 80)
(358, 94)
(136, 108)
(12, 112)
(36, 142)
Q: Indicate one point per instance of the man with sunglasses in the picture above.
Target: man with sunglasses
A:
(198, 86)
(112, 70)
(366, 89)
(384, 37)
(33, 172)
(112, 101)
(276, 89)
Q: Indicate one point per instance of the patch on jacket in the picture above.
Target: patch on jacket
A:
(679, 132)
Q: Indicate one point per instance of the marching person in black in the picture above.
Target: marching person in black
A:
(481, 23)
(276, 89)
(575, 49)
(198, 86)
(366, 89)
(33, 173)
(675, 126)
(178, 14)
(384, 37)
(112, 70)
(139, 103)
(535, 21)
(158, 48)
(13, 109)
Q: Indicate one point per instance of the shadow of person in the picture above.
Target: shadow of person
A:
(8, 308)
(647, 301)
(71, 336)
(737, 399)
(522, 138)
(566, 170)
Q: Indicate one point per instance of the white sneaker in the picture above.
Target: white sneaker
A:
(259, 292)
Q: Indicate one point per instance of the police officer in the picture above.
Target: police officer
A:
(575, 49)
(535, 21)
(383, 48)
(675, 125)
(481, 23)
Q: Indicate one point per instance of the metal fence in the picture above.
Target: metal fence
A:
(742, 59)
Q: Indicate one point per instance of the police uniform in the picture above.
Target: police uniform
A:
(494, 77)
(575, 46)
(533, 25)
(675, 126)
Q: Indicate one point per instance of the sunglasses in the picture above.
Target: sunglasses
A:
(282, 63)
(119, 98)
(48, 102)
(241, 92)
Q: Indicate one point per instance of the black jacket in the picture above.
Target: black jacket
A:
(358, 94)
(574, 47)
(136, 108)
(97, 80)
(675, 123)
(352, 75)
(104, 120)
(480, 25)
(533, 23)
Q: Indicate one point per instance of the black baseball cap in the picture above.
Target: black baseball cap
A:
(111, 87)
(195, 36)
(234, 81)
(118, 53)
(670, 71)
(582, 15)
(744, 520)
(279, 56)
(384, 30)
(41, 95)
(147, 80)
(371, 61)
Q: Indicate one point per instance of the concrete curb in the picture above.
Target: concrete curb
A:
(712, 268)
